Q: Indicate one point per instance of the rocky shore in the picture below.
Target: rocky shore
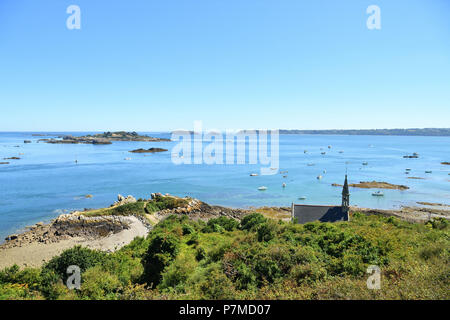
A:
(101, 229)
(415, 214)
(111, 228)
(69, 226)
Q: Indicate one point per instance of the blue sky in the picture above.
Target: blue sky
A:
(159, 65)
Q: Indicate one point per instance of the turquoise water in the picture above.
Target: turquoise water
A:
(46, 181)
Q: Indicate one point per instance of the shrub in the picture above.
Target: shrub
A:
(187, 229)
(431, 252)
(266, 231)
(166, 202)
(220, 224)
(16, 291)
(84, 258)
(308, 273)
(135, 208)
(251, 221)
(99, 284)
(215, 285)
(29, 276)
(163, 248)
(200, 253)
(194, 239)
(177, 273)
(438, 223)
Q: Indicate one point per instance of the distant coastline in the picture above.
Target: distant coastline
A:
(431, 132)
(443, 132)
(434, 132)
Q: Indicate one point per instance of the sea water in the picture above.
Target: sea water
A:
(47, 181)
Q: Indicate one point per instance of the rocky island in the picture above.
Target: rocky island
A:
(151, 150)
(103, 138)
(374, 184)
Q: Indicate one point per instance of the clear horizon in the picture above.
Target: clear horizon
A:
(159, 66)
(207, 129)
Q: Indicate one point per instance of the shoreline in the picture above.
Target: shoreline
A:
(41, 242)
(35, 253)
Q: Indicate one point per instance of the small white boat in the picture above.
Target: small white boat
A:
(310, 164)
(406, 172)
(408, 169)
(378, 194)
(341, 151)
(127, 159)
(329, 147)
(428, 171)
(305, 151)
(319, 177)
(253, 174)
(323, 153)
(324, 171)
(262, 188)
(283, 185)
(365, 163)
(302, 198)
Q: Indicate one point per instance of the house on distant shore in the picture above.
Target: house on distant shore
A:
(308, 213)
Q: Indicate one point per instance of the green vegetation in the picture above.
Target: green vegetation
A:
(141, 207)
(258, 258)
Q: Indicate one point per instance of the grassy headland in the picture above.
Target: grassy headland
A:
(252, 258)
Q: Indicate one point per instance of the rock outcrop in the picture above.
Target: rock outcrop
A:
(122, 200)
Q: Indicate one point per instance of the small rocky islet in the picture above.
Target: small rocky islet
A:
(102, 138)
(151, 150)
(374, 184)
